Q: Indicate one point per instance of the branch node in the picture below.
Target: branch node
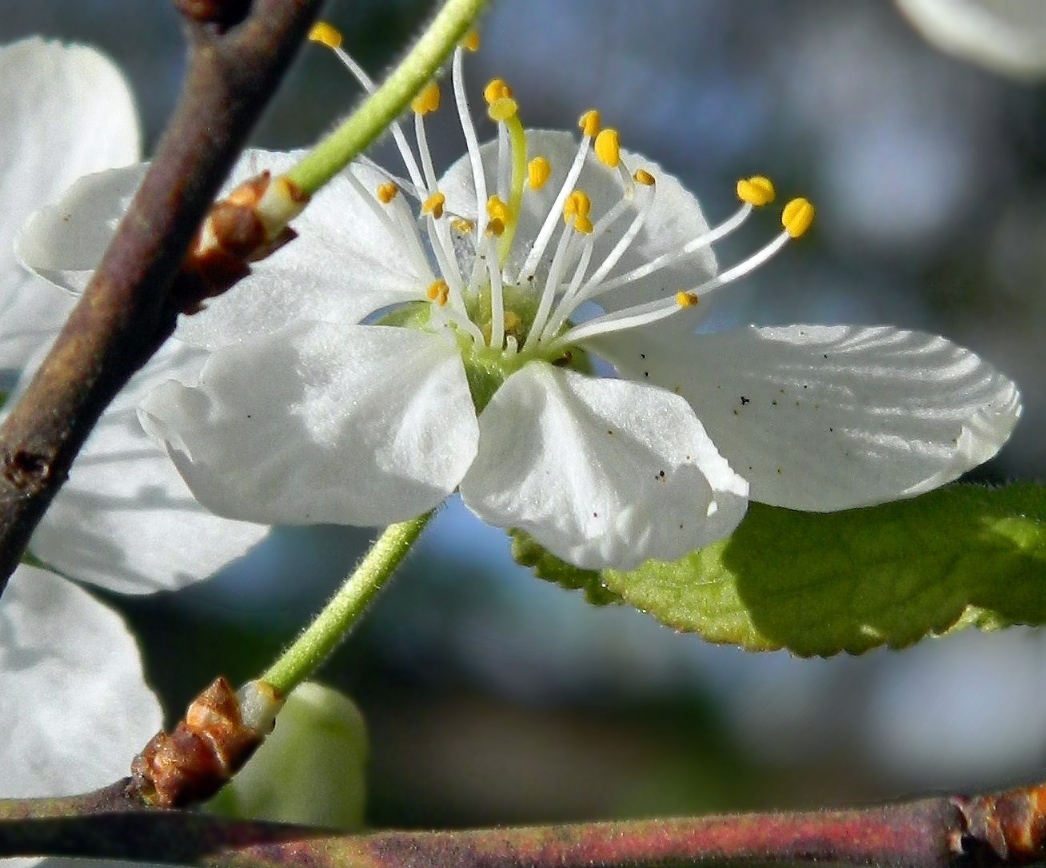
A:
(1007, 827)
(206, 748)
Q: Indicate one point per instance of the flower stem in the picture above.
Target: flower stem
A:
(345, 608)
(382, 107)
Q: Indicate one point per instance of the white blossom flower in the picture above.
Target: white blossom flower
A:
(1008, 36)
(387, 358)
(74, 705)
(125, 519)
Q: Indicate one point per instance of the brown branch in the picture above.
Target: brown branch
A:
(943, 832)
(238, 52)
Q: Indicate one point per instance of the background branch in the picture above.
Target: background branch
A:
(238, 53)
(1005, 829)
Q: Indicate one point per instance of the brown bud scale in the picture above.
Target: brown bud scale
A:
(1009, 826)
(206, 748)
(233, 235)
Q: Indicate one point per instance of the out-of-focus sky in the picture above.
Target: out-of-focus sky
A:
(930, 180)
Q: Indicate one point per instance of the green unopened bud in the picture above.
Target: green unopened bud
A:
(310, 770)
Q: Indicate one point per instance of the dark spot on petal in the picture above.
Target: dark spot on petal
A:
(745, 400)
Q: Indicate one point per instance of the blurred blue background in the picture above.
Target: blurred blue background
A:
(495, 698)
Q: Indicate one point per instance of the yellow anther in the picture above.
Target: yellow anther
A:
(427, 100)
(496, 227)
(797, 217)
(502, 109)
(687, 299)
(642, 176)
(512, 322)
(577, 205)
(539, 170)
(460, 224)
(608, 148)
(434, 205)
(439, 292)
(325, 34)
(756, 190)
(471, 41)
(387, 192)
(497, 209)
(497, 89)
(576, 209)
(589, 123)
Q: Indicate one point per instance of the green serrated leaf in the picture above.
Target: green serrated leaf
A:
(821, 584)
(529, 553)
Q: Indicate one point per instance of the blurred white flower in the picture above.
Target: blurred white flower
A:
(1008, 36)
(125, 519)
(475, 367)
(74, 705)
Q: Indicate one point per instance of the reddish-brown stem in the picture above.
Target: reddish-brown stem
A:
(1001, 829)
(130, 307)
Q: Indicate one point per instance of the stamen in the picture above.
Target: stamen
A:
(424, 152)
(460, 224)
(757, 190)
(331, 38)
(396, 215)
(497, 209)
(325, 34)
(434, 205)
(575, 296)
(471, 41)
(576, 210)
(589, 124)
(439, 292)
(559, 258)
(625, 241)
(539, 170)
(672, 256)
(797, 217)
(427, 101)
(608, 148)
(479, 178)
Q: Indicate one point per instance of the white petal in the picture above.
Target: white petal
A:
(125, 520)
(344, 265)
(824, 418)
(1008, 36)
(674, 219)
(64, 242)
(67, 111)
(74, 706)
(29, 319)
(362, 425)
(604, 473)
